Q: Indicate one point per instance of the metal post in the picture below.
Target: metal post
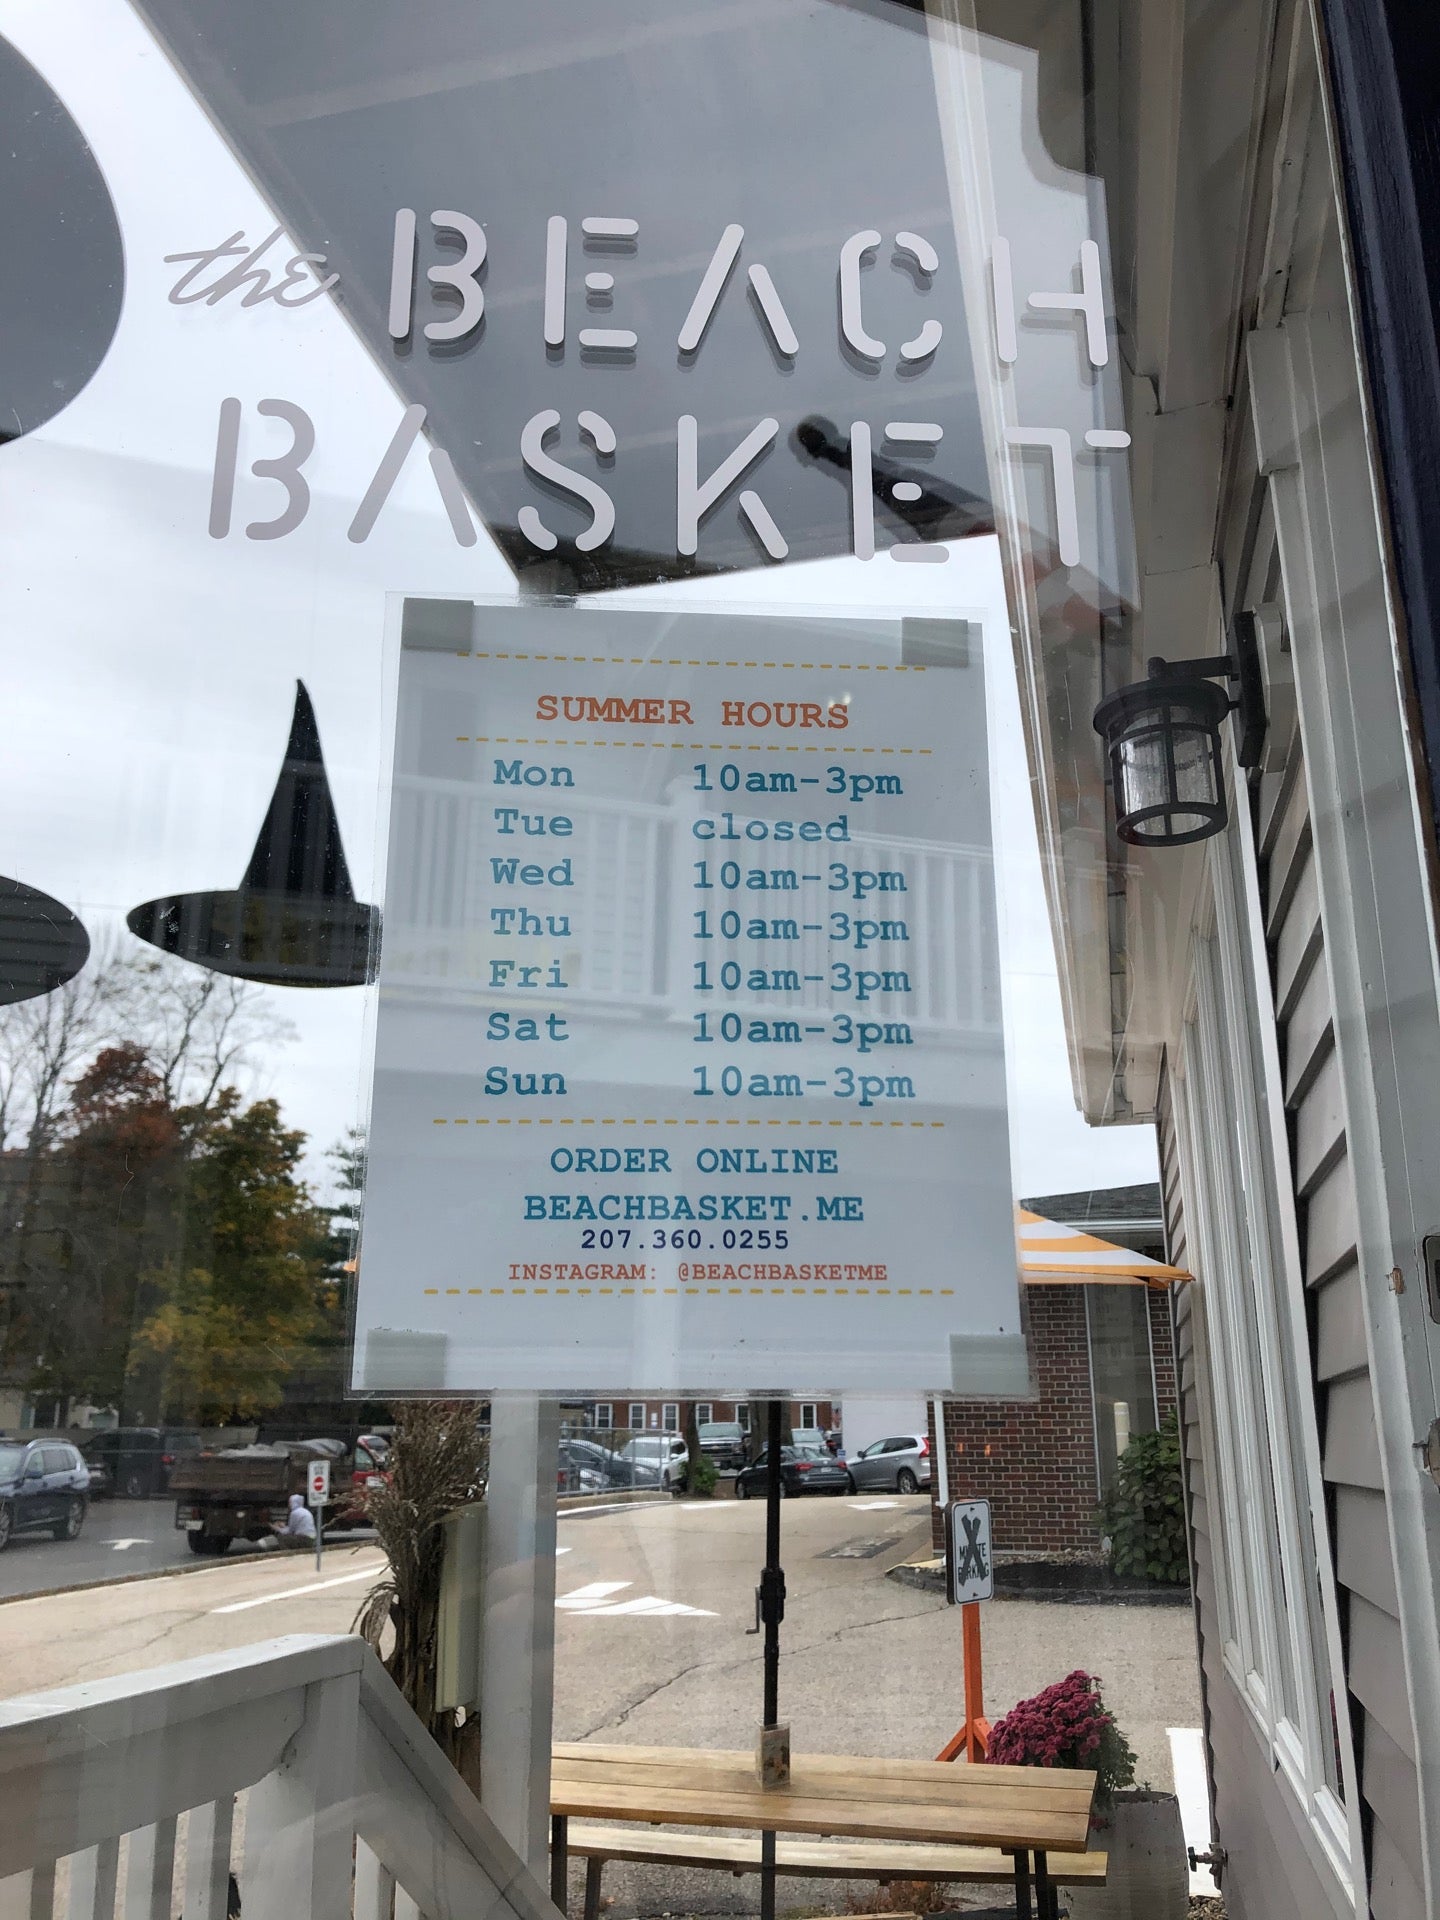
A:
(772, 1612)
(975, 1742)
(319, 1535)
(517, 1645)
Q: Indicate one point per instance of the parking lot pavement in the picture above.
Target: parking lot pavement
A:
(653, 1643)
(119, 1538)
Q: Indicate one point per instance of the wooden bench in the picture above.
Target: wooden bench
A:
(883, 1861)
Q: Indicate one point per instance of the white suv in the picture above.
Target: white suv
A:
(658, 1459)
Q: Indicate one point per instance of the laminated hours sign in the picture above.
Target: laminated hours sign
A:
(689, 1069)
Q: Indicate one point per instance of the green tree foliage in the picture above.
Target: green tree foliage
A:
(236, 1307)
(160, 1251)
(1144, 1515)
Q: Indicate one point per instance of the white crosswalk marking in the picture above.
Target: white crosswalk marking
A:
(873, 1506)
(593, 1599)
(587, 1596)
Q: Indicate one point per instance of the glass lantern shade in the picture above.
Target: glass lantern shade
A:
(1166, 773)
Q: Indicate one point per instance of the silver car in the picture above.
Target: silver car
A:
(901, 1462)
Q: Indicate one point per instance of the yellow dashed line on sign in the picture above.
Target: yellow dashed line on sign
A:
(668, 746)
(638, 660)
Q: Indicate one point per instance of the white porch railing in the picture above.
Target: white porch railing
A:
(126, 1799)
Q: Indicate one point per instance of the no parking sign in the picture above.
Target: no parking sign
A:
(317, 1486)
(969, 1566)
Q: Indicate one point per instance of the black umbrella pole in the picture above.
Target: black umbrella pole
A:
(772, 1612)
(772, 1580)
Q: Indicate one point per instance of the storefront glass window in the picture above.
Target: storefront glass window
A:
(599, 1073)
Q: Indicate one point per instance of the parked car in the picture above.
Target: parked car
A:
(44, 1486)
(657, 1459)
(901, 1463)
(590, 1457)
(139, 1459)
(102, 1481)
(802, 1470)
(723, 1441)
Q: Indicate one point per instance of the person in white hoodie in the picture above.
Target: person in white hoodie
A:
(299, 1527)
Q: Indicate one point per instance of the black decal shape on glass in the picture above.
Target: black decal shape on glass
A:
(64, 274)
(42, 944)
(294, 920)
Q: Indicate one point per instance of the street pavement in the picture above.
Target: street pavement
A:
(653, 1611)
(119, 1538)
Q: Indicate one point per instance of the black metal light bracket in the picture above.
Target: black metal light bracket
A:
(1242, 668)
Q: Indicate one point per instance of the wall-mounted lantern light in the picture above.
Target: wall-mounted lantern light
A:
(1162, 736)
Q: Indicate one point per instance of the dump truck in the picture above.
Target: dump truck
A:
(243, 1493)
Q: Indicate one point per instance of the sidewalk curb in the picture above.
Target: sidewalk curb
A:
(1061, 1585)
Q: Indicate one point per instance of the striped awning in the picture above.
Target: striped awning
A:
(1052, 1255)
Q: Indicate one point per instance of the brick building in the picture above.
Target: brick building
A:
(668, 1416)
(1102, 1368)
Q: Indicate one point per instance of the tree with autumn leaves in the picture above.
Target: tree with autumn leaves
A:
(163, 1253)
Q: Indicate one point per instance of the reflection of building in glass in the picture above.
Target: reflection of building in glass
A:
(1102, 1368)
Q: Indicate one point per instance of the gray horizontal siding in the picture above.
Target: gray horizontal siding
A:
(1390, 1797)
(1340, 1345)
(1362, 1556)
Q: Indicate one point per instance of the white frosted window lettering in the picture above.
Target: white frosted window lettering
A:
(776, 318)
(452, 497)
(1106, 438)
(556, 250)
(707, 296)
(694, 500)
(1090, 301)
(607, 231)
(609, 339)
(248, 272)
(919, 249)
(459, 275)
(712, 286)
(1002, 296)
(852, 325)
(919, 433)
(402, 273)
(913, 246)
(227, 458)
(284, 467)
(862, 491)
(538, 429)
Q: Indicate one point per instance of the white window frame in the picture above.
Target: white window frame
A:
(704, 1413)
(636, 1412)
(809, 1416)
(604, 1416)
(670, 1416)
